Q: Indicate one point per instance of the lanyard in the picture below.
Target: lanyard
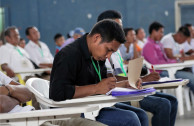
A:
(121, 64)
(97, 70)
(41, 52)
(19, 51)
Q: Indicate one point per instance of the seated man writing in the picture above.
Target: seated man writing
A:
(79, 71)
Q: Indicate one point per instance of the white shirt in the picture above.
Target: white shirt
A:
(141, 43)
(192, 43)
(124, 54)
(116, 59)
(16, 58)
(186, 47)
(169, 42)
(37, 54)
(4, 79)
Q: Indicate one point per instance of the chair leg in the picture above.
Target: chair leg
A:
(192, 98)
(179, 96)
(187, 98)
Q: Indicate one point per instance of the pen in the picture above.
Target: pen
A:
(153, 68)
(113, 67)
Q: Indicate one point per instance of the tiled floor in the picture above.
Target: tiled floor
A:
(187, 119)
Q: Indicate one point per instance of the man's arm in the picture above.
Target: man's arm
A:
(123, 82)
(8, 70)
(190, 52)
(45, 65)
(169, 54)
(19, 92)
(154, 76)
(7, 103)
(101, 88)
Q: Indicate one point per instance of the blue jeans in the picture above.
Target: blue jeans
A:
(117, 117)
(163, 107)
(183, 75)
(141, 114)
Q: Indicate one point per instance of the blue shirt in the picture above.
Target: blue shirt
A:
(126, 55)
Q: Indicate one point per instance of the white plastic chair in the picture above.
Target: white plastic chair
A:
(187, 98)
(172, 69)
(40, 88)
(192, 98)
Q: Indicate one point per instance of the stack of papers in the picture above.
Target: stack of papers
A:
(165, 83)
(130, 92)
(160, 82)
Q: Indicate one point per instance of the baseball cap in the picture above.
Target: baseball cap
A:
(79, 31)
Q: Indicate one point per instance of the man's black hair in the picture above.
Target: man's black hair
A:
(68, 35)
(58, 35)
(8, 30)
(137, 30)
(28, 30)
(109, 14)
(21, 39)
(126, 30)
(155, 26)
(109, 31)
(188, 25)
(185, 31)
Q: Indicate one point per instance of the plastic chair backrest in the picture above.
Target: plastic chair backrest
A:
(40, 88)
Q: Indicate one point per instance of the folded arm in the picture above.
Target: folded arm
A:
(19, 92)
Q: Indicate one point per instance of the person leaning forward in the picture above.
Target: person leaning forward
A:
(79, 70)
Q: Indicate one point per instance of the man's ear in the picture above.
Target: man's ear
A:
(97, 38)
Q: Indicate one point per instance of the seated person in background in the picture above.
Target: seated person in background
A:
(140, 34)
(77, 33)
(190, 41)
(128, 49)
(38, 51)
(12, 94)
(22, 43)
(59, 41)
(85, 74)
(173, 44)
(153, 103)
(154, 53)
(70, 34)
(12, 57)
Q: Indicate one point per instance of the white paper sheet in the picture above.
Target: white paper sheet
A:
(134, 71)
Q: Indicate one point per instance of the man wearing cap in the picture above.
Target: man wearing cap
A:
(77, 33)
